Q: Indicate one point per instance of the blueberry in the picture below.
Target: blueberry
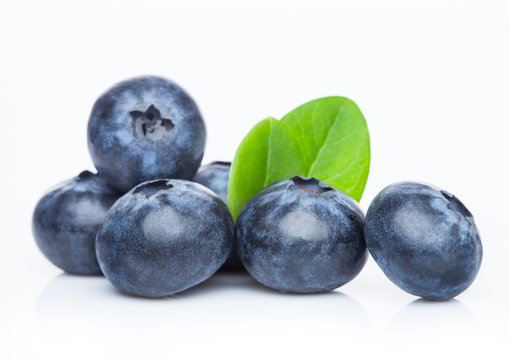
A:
(215, 176)
(163, 237)
(301, 235)
(66, 220)
(424, 239)
(145, 128)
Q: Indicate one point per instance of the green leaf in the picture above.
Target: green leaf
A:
(325, 138)
(334, 139)
(267, 154)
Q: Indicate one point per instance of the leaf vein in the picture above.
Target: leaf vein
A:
(265, 182)
(325, 141)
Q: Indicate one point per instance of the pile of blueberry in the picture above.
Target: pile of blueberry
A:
(155, 223)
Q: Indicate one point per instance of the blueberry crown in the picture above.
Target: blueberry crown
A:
(310, 184)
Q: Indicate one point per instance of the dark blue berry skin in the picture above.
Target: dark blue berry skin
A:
(424, 239)
(163, 237)
(301, 235)
(66, 220)
(215, 176)
(145, 128)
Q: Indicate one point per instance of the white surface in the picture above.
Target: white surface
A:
(431, 79)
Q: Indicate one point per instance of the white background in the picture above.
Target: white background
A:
(431, 78)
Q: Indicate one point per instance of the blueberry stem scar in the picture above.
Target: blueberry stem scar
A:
(456, 205)
(310, 184)
(149, 124)
(151, 188)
